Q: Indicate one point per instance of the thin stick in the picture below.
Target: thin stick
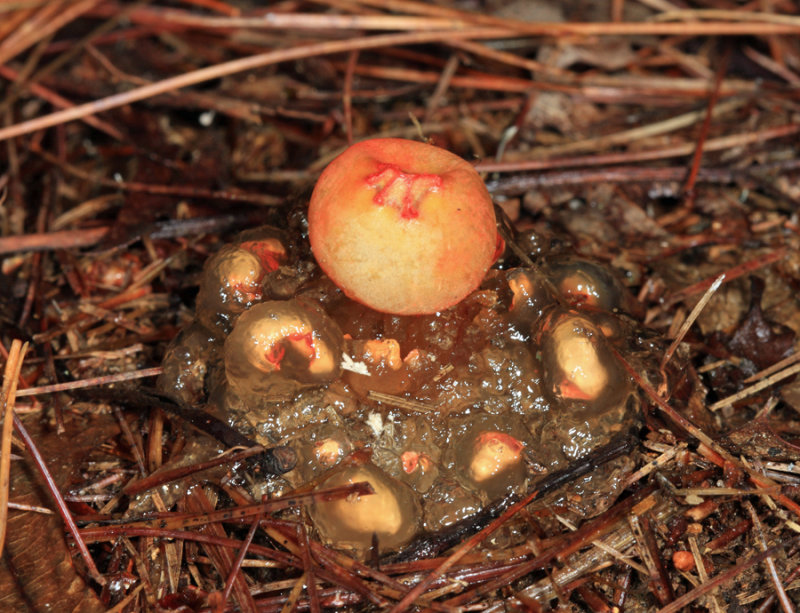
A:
(309, 564)
(7, 397)
(237, 563)
(236, 514)
(417, 591)
(217, 71)
(61, 239)
(427, 18)
(48, 26)
(769, 561)
(132, 488)
(400, 402)
(715, 144)
(691, 319)
(93, 382)
(730, 274)
(62, 506)
(795, 357)
(696, 14)
(688, 598)
(59, 101)
(758, 480)
(31, 508)
(693, 26)
(694, 167)
(749, 391)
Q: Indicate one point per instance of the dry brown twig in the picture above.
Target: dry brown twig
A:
(8, 395)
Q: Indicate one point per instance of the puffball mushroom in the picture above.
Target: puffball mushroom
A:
(391, 514)
(233, 279)
(578, 365)
(493, 454)
(231, 283)
(403, 227)
(277, 343)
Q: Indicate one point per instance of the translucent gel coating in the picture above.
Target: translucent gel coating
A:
(276, 341)
(584, 376)
(487, 453)
(401, 226)
(578, 364)
(530, 294)
(391, 513)
(493, 454)
(186, 364)
(505, 387)
(231, 282)
(587, 284)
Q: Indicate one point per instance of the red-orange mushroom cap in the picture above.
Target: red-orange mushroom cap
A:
(403, 227)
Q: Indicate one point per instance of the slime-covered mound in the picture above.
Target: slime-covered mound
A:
(398, 358)
(441, 413)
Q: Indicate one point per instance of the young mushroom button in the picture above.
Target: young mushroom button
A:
(282, 341)
(390, 515)
(403, 227)
(231, 283)
(233, 278)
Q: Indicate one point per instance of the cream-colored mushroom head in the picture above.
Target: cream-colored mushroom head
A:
(403, 227)
(493, 454)
(391, 514)
(585, 377)
(286, 339)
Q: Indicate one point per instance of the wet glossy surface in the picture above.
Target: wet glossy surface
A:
(454, 409)
(392, 513)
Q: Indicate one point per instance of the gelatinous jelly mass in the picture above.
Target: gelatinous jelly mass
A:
(440, 412)
(281, 345)
(391, 514)
(234, 278)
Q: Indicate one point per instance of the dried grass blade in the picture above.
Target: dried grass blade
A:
(223, 558)
(691, 319)
(14, 45)
(730, 274)
(60, 503)
(170, 521)
(260, 60)
(7, 397)
(237, 565)
(93, 382)
(748, 391)
(769, 561)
